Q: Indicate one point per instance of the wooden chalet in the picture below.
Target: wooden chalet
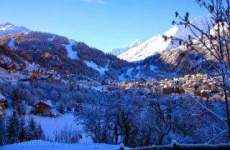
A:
(3, 104)
(43, 108)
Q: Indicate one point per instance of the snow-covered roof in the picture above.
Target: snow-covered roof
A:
(2, 97)
(46, 102)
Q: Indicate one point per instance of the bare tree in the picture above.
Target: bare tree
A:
(214, 42)
(162, 122)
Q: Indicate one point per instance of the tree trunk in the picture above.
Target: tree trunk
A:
(227, 111)
(116, 134)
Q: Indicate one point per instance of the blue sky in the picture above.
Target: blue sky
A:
(104, 24)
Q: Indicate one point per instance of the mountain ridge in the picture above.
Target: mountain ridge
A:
(55, 52)
(157, 44)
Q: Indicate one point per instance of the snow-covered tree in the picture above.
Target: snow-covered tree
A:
(34, 131)
(214, 43)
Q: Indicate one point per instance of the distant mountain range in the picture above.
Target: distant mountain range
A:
(23, 47)
(152, 58)
(157, 44)
(82, 86)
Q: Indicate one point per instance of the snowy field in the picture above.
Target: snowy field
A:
(43, 145)
(51, 125)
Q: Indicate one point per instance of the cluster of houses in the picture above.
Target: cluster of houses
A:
(203, 86)
(36, 73)
(9, 65)
(46, 75)
(42, 108)
(199, 85)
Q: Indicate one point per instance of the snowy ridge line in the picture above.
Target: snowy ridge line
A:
(175, 146)
(157, 44)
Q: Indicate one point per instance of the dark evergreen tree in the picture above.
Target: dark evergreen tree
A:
(61, 108)
(34, 131)
(21, 109)
(31, 130)
(39, 132)
(12, 128)
(2, 130)
(22, 131)
(16, 97)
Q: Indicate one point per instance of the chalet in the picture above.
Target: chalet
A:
(12, 68)
(46, 55)
(43, 108)
(3, 104)
(35, 75)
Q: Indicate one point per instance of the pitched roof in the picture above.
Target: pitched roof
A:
(48, 103)
(2, 97)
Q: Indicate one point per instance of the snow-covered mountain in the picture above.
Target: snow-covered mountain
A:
(83, 89)
(119, 51)
(8, 28)
(157, 44)
(54, 52)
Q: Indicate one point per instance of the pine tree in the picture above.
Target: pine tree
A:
(21, 109)
(2, 131)
(39, 132)
(12, 128)
(16, 99)
(61, 108)
(22, 131)
(31, 130)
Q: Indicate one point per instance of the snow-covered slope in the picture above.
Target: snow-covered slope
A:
(65, 122)
(119, 51)
(69, 48)
(54, 52)
(157, 44)
(43, 145)
(8, 28)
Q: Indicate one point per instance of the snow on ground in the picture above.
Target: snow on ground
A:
(119, 51)
(94, 66)
(43, 145)
(69, 48)
(31, 67)
(100, 88)
(11, 44)
(11, 77)
(138, 72)
(145, 49)
(153, 68)
(52, 125)
(51, 38)
(126, 75)
(8, 28)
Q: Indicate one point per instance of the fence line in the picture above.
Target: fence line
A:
(182, 147)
